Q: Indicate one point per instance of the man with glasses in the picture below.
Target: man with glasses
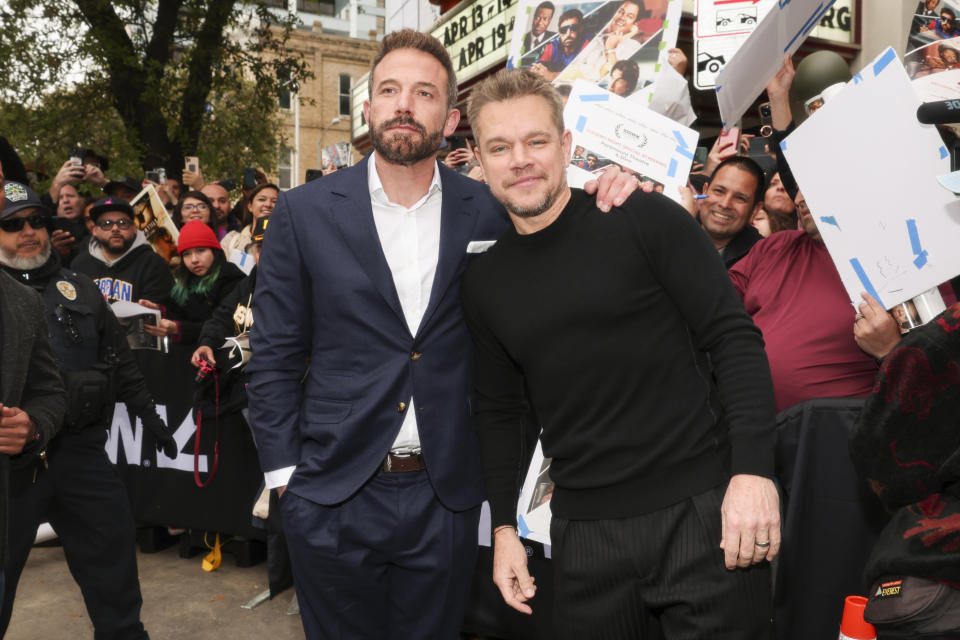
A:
(557, 55)
(121, 261)
(944, 27)
(77, 491)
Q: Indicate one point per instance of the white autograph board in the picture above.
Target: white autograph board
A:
(608, 129)
(868, 171)
(782, 30)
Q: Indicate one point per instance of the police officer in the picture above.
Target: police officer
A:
(79, 493)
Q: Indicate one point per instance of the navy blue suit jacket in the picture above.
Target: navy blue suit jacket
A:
(325, 294)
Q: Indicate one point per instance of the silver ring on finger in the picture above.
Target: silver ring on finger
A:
(762, 545)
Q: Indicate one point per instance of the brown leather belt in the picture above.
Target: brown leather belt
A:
(403, 464)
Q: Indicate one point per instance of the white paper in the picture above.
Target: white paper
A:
(782, 30)
(721, 28)
(127, 309)
(533, 507)
(868, 171)
(243, 260)
(613, 131)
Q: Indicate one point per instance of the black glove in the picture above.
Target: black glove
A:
(161, 434)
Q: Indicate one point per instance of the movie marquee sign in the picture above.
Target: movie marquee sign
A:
(477, 36)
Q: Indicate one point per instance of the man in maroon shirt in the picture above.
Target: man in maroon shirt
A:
(790, 286)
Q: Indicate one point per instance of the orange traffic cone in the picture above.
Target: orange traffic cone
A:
(853, 626)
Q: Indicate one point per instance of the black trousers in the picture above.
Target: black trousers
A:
(658, 573)
(83, 498)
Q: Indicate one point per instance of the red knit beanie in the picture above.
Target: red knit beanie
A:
(196, 234)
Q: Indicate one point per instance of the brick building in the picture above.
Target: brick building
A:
(337, 62)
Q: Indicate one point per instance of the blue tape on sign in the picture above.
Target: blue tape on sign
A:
(581, 123)
(686, 153)
(867, 285)
(680, 140)
(810, 23)
(882, 63)
(943, 152)
(595, 97)
(783, 145)
(522, 525)
(918, 250)
(831, 220)
(717, 90)
(672, 169)
(857, 79)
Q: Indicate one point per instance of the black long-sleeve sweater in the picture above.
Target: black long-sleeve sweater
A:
(605, 322)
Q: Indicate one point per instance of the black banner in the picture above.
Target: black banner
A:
(162, 490)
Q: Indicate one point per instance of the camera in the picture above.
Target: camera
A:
(76, 158)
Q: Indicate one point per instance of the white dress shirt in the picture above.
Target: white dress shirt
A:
(410, 238)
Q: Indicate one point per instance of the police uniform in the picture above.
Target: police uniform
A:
(79, 492)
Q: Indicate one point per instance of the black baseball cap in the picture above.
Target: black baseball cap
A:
(18, 197)
(103, 205)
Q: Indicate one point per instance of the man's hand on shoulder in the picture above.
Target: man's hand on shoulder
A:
(750, 521)
(510, 570)
(613, 187)
(16, 430)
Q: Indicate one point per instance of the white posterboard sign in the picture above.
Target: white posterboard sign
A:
(615, 44)
(722, 27)
(868, 171)
(782, 31)
(608, 129)
(533, 507)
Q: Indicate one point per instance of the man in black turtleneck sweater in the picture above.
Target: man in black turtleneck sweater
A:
(621, 332)
(79, 493)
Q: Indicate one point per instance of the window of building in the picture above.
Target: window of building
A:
(285, 168)
(283, 98)
(344, 94)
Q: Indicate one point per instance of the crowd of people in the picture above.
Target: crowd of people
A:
(419, 324)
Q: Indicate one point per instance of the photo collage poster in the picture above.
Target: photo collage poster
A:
(619, 45)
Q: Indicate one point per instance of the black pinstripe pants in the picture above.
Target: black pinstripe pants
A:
(660, 572)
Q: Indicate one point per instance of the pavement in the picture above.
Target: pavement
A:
(180, 600)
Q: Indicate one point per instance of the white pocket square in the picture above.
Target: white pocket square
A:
(479, 246)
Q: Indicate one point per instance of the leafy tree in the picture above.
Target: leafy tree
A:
(146, 82)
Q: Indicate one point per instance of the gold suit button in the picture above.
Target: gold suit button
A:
(401, 407)
(415, 355)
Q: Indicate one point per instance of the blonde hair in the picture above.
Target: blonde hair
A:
(511, 84)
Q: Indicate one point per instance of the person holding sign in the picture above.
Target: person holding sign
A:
(664, 511)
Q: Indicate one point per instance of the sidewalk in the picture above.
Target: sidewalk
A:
(180, 601)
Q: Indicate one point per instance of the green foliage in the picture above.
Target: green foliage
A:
(146, 82)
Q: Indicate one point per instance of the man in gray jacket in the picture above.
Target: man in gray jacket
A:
(32, 400)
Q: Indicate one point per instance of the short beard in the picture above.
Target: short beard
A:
(404, 151)
(104, 245)
(24, 263)
(532, 212)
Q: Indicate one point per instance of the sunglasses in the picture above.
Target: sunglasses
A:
(13, 225)
(947, 19)
(122, 223)
(569, 27)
